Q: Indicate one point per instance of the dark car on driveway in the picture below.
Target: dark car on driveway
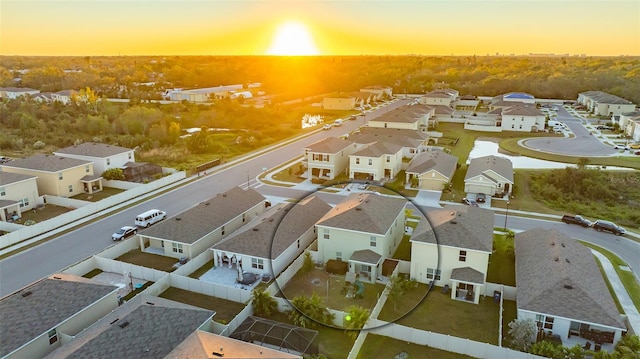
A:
(470, 202)
(607, 226)
(481, 197)
(124, 232)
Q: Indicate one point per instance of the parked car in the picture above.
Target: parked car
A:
(607, 226)
(577, 219)
(621, 147)
(123, 233)
(481, 197)
(326, 127)
(470, 202)
(635, 146)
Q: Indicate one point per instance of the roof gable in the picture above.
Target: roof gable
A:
(93, 149)
(46, 163)
(486, 164)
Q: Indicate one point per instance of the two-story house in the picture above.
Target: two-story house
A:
(522, 118)
(412, 142)
(431, 170)
(491, 175)
(328, 157)
(102, 155)
(271, 242)
(12, 93)
(362, 230)
(410, 117)
(441, 97)
(18, 193)
(339, 101)
(452, 249)
(380, 92)
(603, 104)
(195, 230)
(376, 161)
(57, 176)
(63, 96)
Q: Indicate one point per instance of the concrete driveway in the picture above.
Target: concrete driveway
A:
(426, 198)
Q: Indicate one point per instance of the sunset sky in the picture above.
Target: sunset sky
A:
(339, 27)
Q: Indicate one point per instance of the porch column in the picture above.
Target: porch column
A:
(141, 244)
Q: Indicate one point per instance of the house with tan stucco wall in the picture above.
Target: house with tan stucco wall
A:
(18, 193)
(603, 104)
(376, 161)
(328, 158)
(431, 170)
(103, 156)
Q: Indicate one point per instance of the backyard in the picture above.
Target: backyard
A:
(502, 265)
(225, 310)
(149, 260)
(97, 196)
(378, 346)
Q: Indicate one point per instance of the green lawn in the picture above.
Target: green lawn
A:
(225, 310)
(378, 346)
(97, 196)
(502, 265)
(510, 313)
(149, 260)
(404, 249)
(202, 270)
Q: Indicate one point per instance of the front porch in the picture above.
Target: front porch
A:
(364, 264)
(91, 184)
(10, 211)
(467, 283)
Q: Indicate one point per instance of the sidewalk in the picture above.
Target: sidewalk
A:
(623, 297)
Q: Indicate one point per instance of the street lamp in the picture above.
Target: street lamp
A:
(506, 215)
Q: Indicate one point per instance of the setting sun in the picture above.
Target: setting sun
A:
(292, 39)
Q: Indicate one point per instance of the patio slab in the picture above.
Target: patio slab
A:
(125, 285)
(226, 276)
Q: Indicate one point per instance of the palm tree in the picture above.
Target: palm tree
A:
(263, 303)
(355, 320)
(309, 311)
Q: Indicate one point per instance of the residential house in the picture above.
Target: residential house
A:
(628, 123)
(195, 230)
(39, 318)
(339, 101)
(380, 92)
(409, 117)
(43, 97)
(363, 230)
(603, 104)
(145, 327)
(411, 141)
(12, 93)
(102, 155)
(63, 96)
(524, 118)
(452, 249)
(271, 242)
(328, 157)
(57, 176)
(376, 161)
(561, 287)
(491, 175)
(441, 97)
(431, 170)
(203, 94)
(18, 193)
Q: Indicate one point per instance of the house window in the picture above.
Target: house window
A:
(129, 155)
(70, 188)
(244, 217)
(462, 257)
(357, 160)
(53, 336)
(326, 233)
(388, 159)
(86, 168)
(372, 241)
(24, 202)
(257, 263)
(339, 256)
(177, 247)
(298, 241)
(108, 161)
(60, 176)
(370, 161)
(548, 323)
(222, 230)
(2, 192)
(433, 273)
(513, 126)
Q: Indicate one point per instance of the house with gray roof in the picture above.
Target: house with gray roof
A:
(328, 157)
(145, 327)
(604, 104)
(35, 320)
(409, 117)
(522, 118)
(441, 97)
(491, 175)
(341, 101)
(431, 170)
(360, 224)
(103, 156)
(376, 161)
(451, 247)
(197, 229)
(63, 96)
(379, 91)
(18, 193)
(12, 93)
(271, 242)
(561, 287)
(56, 175)
(411, 141)
(628, 122)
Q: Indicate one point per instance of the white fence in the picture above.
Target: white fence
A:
(125, 185)
(195, 263)
(508, 292)
(114, 266)
(86, 210)
(286, 275)
(486, 128)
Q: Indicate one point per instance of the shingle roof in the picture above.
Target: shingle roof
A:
(522, 110)
(40, 307)
(366, 256)
(155, 327)
(468, 275)
(457, 226)
(603, 97)
(93, 149)
(393, 132)
(9, 178)
(364, 212)
(204, 218)
(270, 234)
(438, 161)
(329, 145)
(405, 114)
(378, 149)
(4, 203)
(499, 165)
(518, 95)
(46, 163)
(558, 276)
(17, 89)
(398, 138)
(443, 110)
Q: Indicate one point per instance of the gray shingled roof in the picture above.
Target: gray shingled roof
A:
(438, 161)
(329, 145)
(9, 178)
(522, 110)
(405, 114)
(398, 139)
(468, 275)
(204, 218)
(366, 256)
(51, 301)
(270, 234)
(153, 331)
(382, 132)
(378, 149)
(4, 203)
(364, 212)
(457, 226)
(93, 149)
(556, 275)
(500, 165)
(443, 110)
(603, 97)
(46, 163)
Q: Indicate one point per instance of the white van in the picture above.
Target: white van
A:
(337, 123)
(150, 217)
(553, 123)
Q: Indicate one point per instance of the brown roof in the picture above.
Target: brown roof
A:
(329, 145)
(405, 114)
(468, 275)
(400, 137)
(378, 149)
(557, 275)
(500, 165)
(366, 256)
(364, 212)
(438, 161)
(93, 149)
(46, 163)
(9, 178)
